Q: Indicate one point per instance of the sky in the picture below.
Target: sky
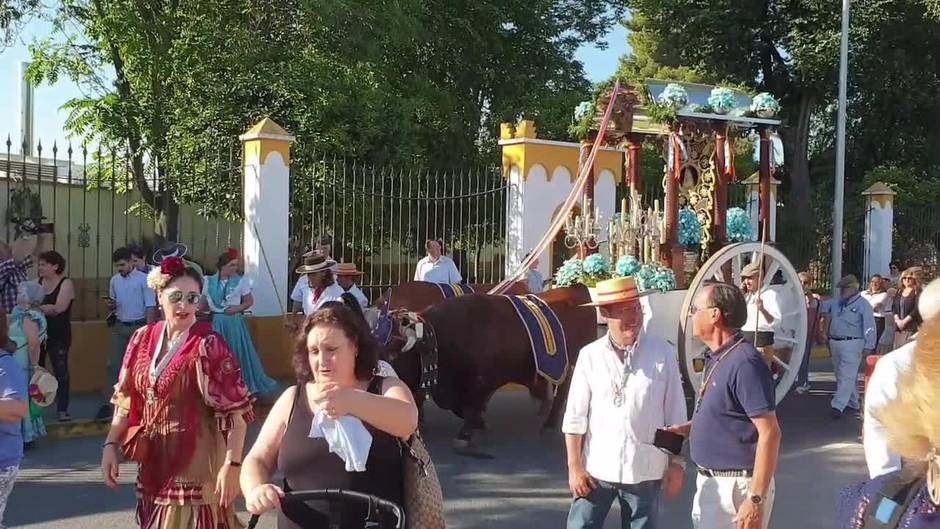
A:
(599, 64)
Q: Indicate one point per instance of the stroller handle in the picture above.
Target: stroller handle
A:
(342, 496)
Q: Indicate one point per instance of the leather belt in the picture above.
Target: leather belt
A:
(135, 323)
(725, 473)
(842, 338)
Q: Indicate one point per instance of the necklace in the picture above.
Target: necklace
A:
(619, 389)
(708, 375)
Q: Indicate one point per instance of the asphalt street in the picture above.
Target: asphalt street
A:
(517, 478)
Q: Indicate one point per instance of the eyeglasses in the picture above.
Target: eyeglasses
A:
(191, 298)
(693, 309)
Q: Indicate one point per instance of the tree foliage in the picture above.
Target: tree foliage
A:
(404, 81)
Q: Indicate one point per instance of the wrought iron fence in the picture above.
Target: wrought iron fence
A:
(83, 203)
(380, 217)
(917, 238)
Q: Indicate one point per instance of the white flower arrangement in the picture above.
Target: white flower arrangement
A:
(721, 100)
(765, 105)
(157, 280)
(674, 96)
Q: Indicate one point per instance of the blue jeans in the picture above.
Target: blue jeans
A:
(639, 506)
(802, 376)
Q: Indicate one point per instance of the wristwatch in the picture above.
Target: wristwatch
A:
(757, 499)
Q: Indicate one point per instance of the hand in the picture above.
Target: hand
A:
(226, 485)
(672, 481)
(110, 466)
(580, 482)
(681, 429)
(867, 352)
(232, 310)
(111, 304)
(335, 399)
(749, 515)
(759, 303)
(264, 498)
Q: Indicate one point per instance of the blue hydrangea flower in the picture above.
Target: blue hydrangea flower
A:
(596, 265)
(654, 276)
(721, 99)
(689, 229)
(764, 102)
(627, 265)
(738, 225)
(674, 96)
(568, 273)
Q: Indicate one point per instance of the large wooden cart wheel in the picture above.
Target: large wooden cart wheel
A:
(789, 333)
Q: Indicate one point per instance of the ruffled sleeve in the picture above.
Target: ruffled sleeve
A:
(245, 285)
(221, 384)
(121, 398)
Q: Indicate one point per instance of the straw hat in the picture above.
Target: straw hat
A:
(617, 290)
(43, 387)
(314, 262)
(347, 269)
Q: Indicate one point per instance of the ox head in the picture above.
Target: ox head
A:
(411, 349)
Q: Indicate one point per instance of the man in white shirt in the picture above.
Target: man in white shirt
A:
(763, 311)
(436, 267)
(346, 276)
(319, 286)
(624, 387)
(883, 388)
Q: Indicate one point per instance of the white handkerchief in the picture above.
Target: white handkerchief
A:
(347, 437)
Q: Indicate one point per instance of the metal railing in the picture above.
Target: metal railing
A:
(380, 217)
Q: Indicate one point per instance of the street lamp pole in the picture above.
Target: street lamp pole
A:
(839, 199)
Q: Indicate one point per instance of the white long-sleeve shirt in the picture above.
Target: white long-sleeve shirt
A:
(754, 318)
(441, 271)
(883, 388)
(618, 443)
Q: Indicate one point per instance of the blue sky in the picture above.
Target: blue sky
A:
(598, 64)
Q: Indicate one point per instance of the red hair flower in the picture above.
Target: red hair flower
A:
(172, 266)
(232, 253)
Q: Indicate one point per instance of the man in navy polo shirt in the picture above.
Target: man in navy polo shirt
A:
(734, 434)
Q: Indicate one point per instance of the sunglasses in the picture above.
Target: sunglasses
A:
(191, 298)
(693, 309)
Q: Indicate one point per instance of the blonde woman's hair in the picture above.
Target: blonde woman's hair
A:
(912, 420)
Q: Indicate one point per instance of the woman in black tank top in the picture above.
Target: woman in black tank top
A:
(334, 362)
(57, 307)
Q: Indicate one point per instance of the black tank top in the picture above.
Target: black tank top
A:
(307, 464)
(60, 326)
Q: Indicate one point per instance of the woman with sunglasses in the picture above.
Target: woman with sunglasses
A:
(180, 412)
(906, 316)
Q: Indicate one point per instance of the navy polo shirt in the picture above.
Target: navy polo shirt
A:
(723, 436)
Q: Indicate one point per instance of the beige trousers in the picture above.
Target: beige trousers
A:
(717, 501)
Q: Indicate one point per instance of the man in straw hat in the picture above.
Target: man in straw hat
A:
(625, 386)
(851, 334)
(320, 285)
(346, 276)
(763, 310)
(734, 435)
(908, 498)
(883, 388)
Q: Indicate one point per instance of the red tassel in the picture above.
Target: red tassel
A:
(677, 157)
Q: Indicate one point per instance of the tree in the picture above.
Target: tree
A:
(405, 81)
(11, 13)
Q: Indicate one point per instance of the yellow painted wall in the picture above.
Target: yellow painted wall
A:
(89, 354)
(528, 154)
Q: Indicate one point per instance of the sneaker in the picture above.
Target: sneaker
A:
(64, 416)
(802, 389)
(835, 414)
(104, 413)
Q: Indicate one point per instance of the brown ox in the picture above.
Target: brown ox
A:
(481, 346)
(419, 295)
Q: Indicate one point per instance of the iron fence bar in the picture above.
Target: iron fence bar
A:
(68, 210)
(372, 229)
(82, 224)
(408, 235)
(9, 180)
(98, 225)
(113, 197)
(493, 227)
(480, 233)
(333, 230)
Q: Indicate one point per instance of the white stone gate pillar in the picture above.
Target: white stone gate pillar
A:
(266, 163)
(879, 229)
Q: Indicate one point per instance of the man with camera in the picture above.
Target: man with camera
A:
(734, 435)
(624, 387)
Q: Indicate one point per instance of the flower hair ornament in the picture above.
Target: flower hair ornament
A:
(170, 267)
(232, 253)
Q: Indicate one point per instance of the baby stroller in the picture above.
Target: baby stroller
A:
(338, 497)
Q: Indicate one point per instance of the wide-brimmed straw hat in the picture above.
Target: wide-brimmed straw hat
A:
(347, 269)
(617, 290)
(314, 262)
(43, 387)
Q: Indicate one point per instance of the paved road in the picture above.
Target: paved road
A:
(524, 484)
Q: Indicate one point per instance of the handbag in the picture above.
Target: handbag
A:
(424, 500)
